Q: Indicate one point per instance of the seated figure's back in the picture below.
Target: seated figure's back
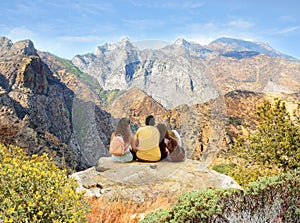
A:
(148, 144)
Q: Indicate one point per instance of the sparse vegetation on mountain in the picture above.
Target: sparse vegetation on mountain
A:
(34, 189)
(107, 96)
(84, 77)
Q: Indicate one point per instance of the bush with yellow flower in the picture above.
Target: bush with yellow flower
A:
(34, 189)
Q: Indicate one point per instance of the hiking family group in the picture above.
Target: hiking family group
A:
(150, 143)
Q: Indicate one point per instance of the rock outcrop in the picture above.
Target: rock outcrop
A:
(40, 113)
(137, 180)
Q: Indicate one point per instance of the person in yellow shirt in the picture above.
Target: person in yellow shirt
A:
(146, 141)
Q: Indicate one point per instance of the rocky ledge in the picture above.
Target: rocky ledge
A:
(137, 180)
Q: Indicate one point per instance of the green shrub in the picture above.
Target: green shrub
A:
(195, 206)
(270, 199)
(157, 217)
(34, 189)
(243, 175)
(224, 168)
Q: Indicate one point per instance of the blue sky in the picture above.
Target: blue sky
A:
(69, 27)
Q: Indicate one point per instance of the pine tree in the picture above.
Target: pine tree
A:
(276, 143)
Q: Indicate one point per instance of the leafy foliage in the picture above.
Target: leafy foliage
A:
(245, 174)
(270, 199)
(274, 148)
(277, 141)
(34, 189)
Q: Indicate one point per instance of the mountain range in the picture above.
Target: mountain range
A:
(69, 109)
(191, 72)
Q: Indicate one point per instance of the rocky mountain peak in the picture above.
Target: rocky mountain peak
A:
(20, 48)
(193, 72)
(5, 43)
(24, 47)
(125, 40)
(123, 45)
(180, 42)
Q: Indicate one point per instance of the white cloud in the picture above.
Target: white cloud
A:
(284, 31)
(144, 23)
(21, 33)
(79, 38)
(207, 32)
(203, 39)
(192, 4)
(286, 18)
(241, 24)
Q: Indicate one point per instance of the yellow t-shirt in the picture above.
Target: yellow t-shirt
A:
(148, 148)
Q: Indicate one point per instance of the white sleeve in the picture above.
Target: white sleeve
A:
(178, 137)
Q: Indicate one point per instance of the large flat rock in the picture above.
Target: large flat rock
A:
(137, 180)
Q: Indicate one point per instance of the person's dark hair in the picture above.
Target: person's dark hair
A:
(162, 128)
(150, 120)
(123, 129)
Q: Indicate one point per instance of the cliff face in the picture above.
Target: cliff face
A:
(37, 110)
(91, 125)
(169, 77)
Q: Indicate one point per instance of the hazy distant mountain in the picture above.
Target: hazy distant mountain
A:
(229, 45)
(185, 72)
(150, 44)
